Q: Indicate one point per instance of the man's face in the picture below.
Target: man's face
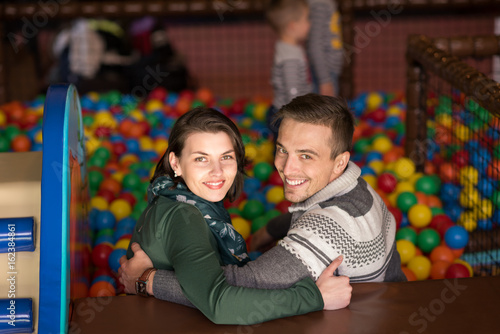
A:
(303, 159)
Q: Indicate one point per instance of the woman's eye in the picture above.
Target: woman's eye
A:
(227, 157)
(200, 159)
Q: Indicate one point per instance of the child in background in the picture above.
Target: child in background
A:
(324, 46)
(290, 73)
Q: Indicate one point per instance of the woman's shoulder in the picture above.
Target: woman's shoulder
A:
(169, 208)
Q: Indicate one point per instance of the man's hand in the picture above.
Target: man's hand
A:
(261, 241)
(335, 290)
(326, 89)
(131, 270)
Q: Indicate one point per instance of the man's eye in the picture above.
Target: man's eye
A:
(305, 156)
(282, 150)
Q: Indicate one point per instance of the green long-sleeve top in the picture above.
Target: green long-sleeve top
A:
(176, 237)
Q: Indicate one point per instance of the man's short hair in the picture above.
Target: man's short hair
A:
(324, 110)
(280, 13)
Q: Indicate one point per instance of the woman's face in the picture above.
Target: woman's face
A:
(207, 164)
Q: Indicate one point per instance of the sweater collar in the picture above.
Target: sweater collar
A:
(341, 185)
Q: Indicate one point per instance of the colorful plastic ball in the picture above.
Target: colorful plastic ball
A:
(114, 258)
(382, 144)
(258, 223)
(398, 215)
(262, 171)
(427, 185)
(387, 182)
(410, 275)
(421, 266)
(275, 179)
(99, 203)
(438, 269)
(406, 250)
(131, 181)
(112, 185)
(105, 220)
(468, 175)
(21, 143)
(120, 208)
(442, 253)
(371, 180)
(428, 239)
(456, 237)
(406, 200)
(100, 255)
(102, 289)
(122, 243)
(457, 270)
(403, 186)
(467, 265)
(407, 233)
(242, 226)
(404, 168)
(419, 215)
(253, 209)
(374, 101)
(4, 144)
(275, 195)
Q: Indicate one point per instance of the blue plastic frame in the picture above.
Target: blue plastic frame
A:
(62, 112)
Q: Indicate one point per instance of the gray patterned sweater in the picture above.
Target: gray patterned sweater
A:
(346, 217)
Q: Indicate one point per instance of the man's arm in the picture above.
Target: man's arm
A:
(266, 237)
(394, 272)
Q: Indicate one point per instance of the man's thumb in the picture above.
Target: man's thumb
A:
(330, 270)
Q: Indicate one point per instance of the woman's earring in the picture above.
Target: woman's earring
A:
(175, 174)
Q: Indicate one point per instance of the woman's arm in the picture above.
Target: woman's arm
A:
(202, 280)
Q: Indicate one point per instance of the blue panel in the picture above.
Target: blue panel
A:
(16, 235)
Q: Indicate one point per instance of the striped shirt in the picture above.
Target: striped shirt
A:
(290, 73)
(324, 45)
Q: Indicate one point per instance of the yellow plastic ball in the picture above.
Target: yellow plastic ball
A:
(382, 144)
(404, 186)
(377, 165)
(154, 105)
(99, 203)
(371, 180)
(468, 175)
(260, 111)
(421, 266)
(393, 199)
(419, 215)
(404, 168)
(129, 158)
(393, 110)
(122, 243)
(484, 210)
(275, 195)
(444, 120)
(137, 115)
(146, 143)
(415, 177)
(118, 176)
(467, 220)
(251, 151)
(120, 208)
(39, 137)
(160, 146)
(469, 197)
(3, 118)
(242, 226)
(406, 250)
(373, 101)
(462, 132)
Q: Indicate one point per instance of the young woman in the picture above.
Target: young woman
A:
(186, 229)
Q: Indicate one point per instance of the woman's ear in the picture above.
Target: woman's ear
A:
(174, 163)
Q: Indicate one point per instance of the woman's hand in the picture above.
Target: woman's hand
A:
(335, 290)
(131, 270)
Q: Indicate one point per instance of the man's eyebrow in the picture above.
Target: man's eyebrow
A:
(308, 151)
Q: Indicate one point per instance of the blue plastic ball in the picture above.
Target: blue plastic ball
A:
(456, 237)
(105, 219)
(114, 258)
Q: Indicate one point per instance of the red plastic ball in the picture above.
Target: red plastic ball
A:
(457, 270)
(100, 255)
(275, 179)
(119, 148)
(283, 206)
(387, 182)
(106, 194)
(129, 198)
(398, 215)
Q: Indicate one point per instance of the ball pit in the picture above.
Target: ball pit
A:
(126, 137)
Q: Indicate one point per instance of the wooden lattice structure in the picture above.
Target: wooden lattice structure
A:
(474, 95)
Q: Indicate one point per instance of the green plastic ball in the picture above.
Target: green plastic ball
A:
(407, 233)
(428, 185)
(4, 144)
(103, 153)
(253, 209)
(258, 223)
(131, 181)
(95, 178)
(428, 239)
(262, 171)
(406, 200)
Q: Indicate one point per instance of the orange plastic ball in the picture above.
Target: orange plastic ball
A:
(442, 253)
(102, 289)
(21, 143)
(112, 185)
(438, 269)
(410, 275)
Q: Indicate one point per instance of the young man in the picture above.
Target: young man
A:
(335, 212)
